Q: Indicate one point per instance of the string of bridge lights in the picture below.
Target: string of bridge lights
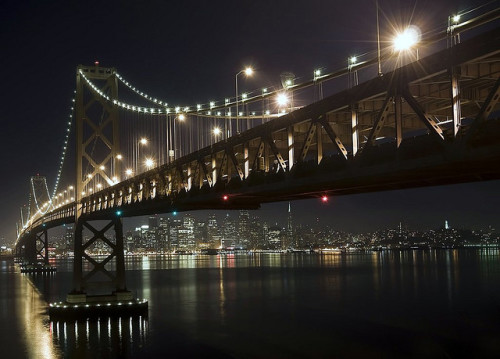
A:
(40, 209)
(64, 148)
(197, 110)
(140, 93)
(29, 214)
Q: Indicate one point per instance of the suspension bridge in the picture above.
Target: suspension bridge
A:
(390, 121)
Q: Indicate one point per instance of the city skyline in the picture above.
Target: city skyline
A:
(186, 234)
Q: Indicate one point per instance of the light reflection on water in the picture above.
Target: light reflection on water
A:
(106, 337)
(441, 302)
(33, 321)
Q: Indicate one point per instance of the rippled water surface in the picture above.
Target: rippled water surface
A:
(390, 304)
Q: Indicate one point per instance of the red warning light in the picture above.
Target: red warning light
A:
(324, 199)
(96, 63)
(225, 197)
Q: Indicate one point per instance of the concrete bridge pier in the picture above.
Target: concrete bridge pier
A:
(99, 277)
(100, 292)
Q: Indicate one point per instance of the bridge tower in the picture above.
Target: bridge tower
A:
(97, 148)
(36, 244)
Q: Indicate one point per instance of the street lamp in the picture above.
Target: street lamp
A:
(216, 131)
(248, 72)
(149, 163)
(143, 141)
(407, 39)
(282, 99)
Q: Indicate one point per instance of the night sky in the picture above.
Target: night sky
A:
(188, 52)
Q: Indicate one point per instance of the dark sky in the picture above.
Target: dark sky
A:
(188, 52)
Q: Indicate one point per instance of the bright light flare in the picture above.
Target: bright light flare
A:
(143, 141)
(149, 163)
(119, 157)
(129, 172)
(282, 99)
(181, 117)
(324, 198)
(456, 19)
(225, 197)
(216, 131)
(249, 71)
(406, 39)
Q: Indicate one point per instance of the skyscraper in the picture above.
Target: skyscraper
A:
(243, 239)
(228, 232)
(186, 233)
(213, 232)
(289, 230)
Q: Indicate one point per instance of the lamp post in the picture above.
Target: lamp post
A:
(216, 132)
(248, 72)
(149, 163)
(282, 100)
(118, 157)
(142, 142)
(181, 117)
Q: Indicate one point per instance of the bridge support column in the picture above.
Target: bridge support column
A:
(291, 148)
(30, 249)
(189, 178)
(398, 116)
(319, 142)
(246, 160)
(354, 131)
(214, 169)
(455, 99)
(104, 279)
(42, 247)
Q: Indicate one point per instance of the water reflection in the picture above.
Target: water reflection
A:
(294, 305)
(30, 312)
(106, 337)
